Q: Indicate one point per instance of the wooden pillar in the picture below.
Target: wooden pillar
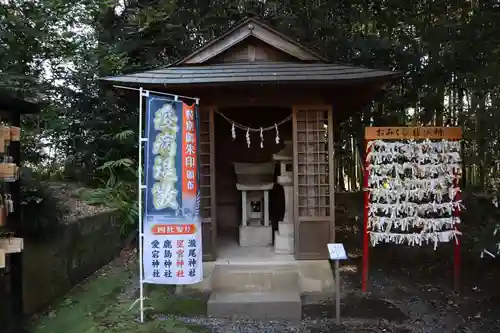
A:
(207, 181)
(244, 203)
(266, 208)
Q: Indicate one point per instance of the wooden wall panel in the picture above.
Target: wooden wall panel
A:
(207, 245)
(207, 182)
(252, 50)
(314, 235)
(313, 181)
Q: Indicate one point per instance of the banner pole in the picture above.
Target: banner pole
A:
(139, 200)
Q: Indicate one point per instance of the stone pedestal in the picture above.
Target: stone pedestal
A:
(284, 236)
(283, 244)
(256, 235)
(254, 181)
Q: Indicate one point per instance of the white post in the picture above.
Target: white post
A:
(266, 208)
(139, 200)
(337, 292)
(244, 208)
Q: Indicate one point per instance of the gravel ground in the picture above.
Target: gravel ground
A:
(414, 299)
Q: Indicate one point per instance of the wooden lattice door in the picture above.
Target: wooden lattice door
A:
(207, 182)
(313, 181)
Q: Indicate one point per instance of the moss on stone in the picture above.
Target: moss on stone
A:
(103, 304)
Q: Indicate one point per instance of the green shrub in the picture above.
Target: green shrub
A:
(117, 192)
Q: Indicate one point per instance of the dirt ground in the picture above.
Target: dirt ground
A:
(410, 291)
(414, 296)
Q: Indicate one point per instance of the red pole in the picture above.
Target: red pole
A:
(457, 256)
(366, 238)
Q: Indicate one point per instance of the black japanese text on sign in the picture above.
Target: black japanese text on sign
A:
(413, 133)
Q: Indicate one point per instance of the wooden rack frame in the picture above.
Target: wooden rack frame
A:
(407, 133)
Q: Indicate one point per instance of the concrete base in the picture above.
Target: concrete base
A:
(263, 285)
(311, 277)
(255, 278)
(256, 305)
(256, 235)
(286, 229)
(315, 276)
(265, 291)
(256, 291)
(283, 244)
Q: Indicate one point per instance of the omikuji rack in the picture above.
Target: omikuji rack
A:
(410, 135)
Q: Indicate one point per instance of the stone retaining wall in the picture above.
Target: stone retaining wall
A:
(52, 268)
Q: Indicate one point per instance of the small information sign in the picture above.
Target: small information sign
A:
(337, 251)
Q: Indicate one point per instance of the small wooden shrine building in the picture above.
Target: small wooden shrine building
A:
(256, 76)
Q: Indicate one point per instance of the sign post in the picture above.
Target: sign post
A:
(337, 253)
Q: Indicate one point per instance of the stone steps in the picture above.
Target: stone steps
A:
(254, 278)
(256, 292)
(256, 305)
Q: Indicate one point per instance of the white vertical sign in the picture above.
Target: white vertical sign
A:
(172, 252)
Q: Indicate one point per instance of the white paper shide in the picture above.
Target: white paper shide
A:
(413, 187)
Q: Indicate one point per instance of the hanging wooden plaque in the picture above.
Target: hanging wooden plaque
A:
(3, 216)
(3, 170)
(15, 133)
(12, 244)
(5, 132)
(2, 258)
(8, 171)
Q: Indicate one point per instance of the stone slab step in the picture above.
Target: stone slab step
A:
(253, 279)
(255, 305)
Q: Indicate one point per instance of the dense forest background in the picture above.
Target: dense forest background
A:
(449, 51)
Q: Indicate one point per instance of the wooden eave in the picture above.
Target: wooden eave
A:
(250, 27)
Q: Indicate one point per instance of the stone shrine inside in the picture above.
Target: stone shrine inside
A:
(254, 181)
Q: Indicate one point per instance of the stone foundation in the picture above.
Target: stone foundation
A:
(284, 239)
(257, 235)
(283, 244)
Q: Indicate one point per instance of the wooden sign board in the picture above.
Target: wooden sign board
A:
(413, 133)
(336, 251)
(2, 258)
(11, 245)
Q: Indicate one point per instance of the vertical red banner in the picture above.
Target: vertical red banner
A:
(189, 154)
(366, 235)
